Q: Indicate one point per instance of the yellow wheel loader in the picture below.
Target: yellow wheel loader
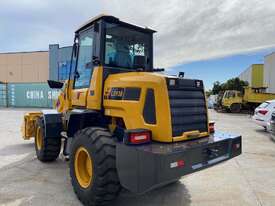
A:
(123, 123)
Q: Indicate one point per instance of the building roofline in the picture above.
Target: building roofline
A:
(64, 47)
(269, 54)
(24, 52)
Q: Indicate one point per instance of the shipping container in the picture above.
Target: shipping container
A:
(31, 95)
(254, 75)
(246, 75)
(3, 95)
(269, 72)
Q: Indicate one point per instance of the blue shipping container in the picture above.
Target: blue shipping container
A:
(31, 95)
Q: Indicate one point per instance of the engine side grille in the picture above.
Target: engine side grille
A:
(187, 106)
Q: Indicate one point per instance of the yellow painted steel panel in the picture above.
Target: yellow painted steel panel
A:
(257, 80)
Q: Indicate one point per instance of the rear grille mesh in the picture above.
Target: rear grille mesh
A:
(188, 108)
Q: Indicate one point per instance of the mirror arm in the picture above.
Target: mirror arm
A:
(96, 60)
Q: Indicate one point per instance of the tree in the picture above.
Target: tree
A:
(231, 84)
(216, 87)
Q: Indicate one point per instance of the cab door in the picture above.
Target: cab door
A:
(84, 67)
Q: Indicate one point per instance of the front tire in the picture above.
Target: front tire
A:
(47, 149)
(93, 167)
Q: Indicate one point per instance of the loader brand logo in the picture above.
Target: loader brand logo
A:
(115, 93)
(120, 93)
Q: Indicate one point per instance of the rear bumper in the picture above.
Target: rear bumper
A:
(259, 121)
(142, 168)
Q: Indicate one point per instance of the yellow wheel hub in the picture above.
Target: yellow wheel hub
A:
(83, 167)
(39, 138)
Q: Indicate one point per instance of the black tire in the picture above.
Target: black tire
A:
(50, 148)
(235, 108)
(104, 186)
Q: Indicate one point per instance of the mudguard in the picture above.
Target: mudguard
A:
(53, 123)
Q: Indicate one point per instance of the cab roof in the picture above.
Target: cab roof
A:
(112, 19)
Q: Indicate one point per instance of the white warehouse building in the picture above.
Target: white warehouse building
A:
(269, 72)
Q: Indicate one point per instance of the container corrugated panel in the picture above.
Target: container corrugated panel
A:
(246, 75)
(257, 80)
(31, 95)
(3, 95)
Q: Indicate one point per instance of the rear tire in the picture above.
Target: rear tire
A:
(47, 149)
(235, 108)
(99, 185)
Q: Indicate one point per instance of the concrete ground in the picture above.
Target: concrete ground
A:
(246, 180)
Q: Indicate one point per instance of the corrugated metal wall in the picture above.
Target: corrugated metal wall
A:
(24, 66)
(269, 72)
(28, 95)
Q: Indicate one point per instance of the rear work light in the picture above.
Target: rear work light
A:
(262, 111)
(179, 163)
(211, 127)
(137, 136)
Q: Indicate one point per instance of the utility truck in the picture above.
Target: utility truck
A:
(234, 101)
(121, 121)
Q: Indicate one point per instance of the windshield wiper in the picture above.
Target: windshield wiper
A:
(158, 70)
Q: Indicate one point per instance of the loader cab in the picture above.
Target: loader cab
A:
(103, 46)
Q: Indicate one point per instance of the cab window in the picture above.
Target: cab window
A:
(125, 46)
(84, 67)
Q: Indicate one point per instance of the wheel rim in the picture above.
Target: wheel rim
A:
(83, 167)
(38, 138)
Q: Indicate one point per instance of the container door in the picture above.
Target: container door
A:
(84, 68)
(3, 95)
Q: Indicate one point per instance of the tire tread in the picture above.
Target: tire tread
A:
(106, 184)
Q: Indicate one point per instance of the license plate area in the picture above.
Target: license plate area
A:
(215, 150)
(210, 154)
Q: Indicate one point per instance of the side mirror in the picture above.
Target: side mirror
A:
(181, 75)
(55, 84)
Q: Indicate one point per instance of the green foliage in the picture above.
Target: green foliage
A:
(208, 93)
(231, 84)
(216, 87)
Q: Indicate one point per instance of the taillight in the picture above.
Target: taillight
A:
(137, 136)
(211, 127)
(262, 111)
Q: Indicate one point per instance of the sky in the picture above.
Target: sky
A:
(222, 68)
(209, 39)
